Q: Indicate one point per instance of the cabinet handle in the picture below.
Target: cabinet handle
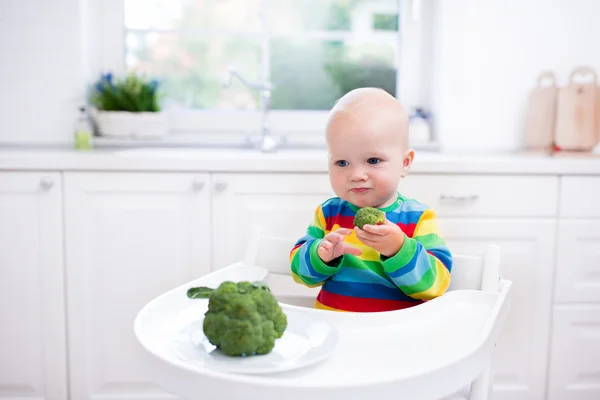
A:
(459, 199)
(46, 183)
(198, 185)
(220, 186)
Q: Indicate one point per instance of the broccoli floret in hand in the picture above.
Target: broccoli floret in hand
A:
(243, 318)
(368, 216)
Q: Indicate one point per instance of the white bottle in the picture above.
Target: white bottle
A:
(83, 131)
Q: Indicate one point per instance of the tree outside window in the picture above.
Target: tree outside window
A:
(314, 51)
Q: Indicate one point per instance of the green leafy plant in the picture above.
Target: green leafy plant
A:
(131, 93)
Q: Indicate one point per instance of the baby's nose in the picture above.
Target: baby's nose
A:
(358, 174)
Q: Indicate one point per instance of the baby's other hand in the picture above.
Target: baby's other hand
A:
(333, 246)
(387, 238)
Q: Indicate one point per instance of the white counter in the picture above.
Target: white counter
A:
(238, 160)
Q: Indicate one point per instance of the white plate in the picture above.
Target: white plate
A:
(305, 341)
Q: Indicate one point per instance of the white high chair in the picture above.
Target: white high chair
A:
(468, 273)
(449, 341)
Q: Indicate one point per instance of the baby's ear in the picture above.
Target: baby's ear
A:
(407, 161)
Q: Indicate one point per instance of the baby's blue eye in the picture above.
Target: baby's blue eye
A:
(341, 163)
(373, 160)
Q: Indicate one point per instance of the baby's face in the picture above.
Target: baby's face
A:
(367, 159)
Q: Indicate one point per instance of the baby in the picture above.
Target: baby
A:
(394, 265)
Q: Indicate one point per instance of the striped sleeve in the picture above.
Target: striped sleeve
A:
(421, 269)
(307, 267)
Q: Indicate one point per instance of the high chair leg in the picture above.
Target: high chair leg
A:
(481, 388)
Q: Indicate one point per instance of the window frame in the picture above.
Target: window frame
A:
(299, 127)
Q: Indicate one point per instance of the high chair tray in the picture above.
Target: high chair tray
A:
(424, 352)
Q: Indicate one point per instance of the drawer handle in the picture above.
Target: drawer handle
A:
(198, 185)
(459, 199)
(220, 186)
(46, 184)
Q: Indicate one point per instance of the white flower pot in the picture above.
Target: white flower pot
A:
(125, 124)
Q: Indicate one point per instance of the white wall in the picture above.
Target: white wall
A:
(41, 70)
(487, 56)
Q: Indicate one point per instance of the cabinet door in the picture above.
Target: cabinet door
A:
(578, 262)
(284, 204)
(574, 368)
(527, 246)
(130, 237)
(32, 310)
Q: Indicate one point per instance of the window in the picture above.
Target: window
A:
(313, 51)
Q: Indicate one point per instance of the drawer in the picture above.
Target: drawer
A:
(577, 278)
(574, 371)
(580, 196)
(488, 196)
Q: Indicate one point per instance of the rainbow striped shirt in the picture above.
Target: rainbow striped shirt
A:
(370, 282)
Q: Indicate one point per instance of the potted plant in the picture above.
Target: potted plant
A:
(128, 107)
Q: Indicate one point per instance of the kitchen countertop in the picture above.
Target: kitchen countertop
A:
(286, 160)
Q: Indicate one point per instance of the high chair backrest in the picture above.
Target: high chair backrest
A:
(476, 272)
(469, 272)
(270, 252)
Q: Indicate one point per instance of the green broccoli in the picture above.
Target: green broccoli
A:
(243, 318)
(368, 216)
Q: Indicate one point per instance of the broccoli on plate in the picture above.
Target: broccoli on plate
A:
(243, 318)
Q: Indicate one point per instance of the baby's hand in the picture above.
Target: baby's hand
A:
(387, 238)
(333, 246)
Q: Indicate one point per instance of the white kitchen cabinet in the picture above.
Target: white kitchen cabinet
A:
(520, 360)
(578, 262)
(283, 204)
(580, 197)
(129, 238)
(574, 371)
(33, 362)
(574, 367)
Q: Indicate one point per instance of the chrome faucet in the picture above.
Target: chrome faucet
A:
(266, 142)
